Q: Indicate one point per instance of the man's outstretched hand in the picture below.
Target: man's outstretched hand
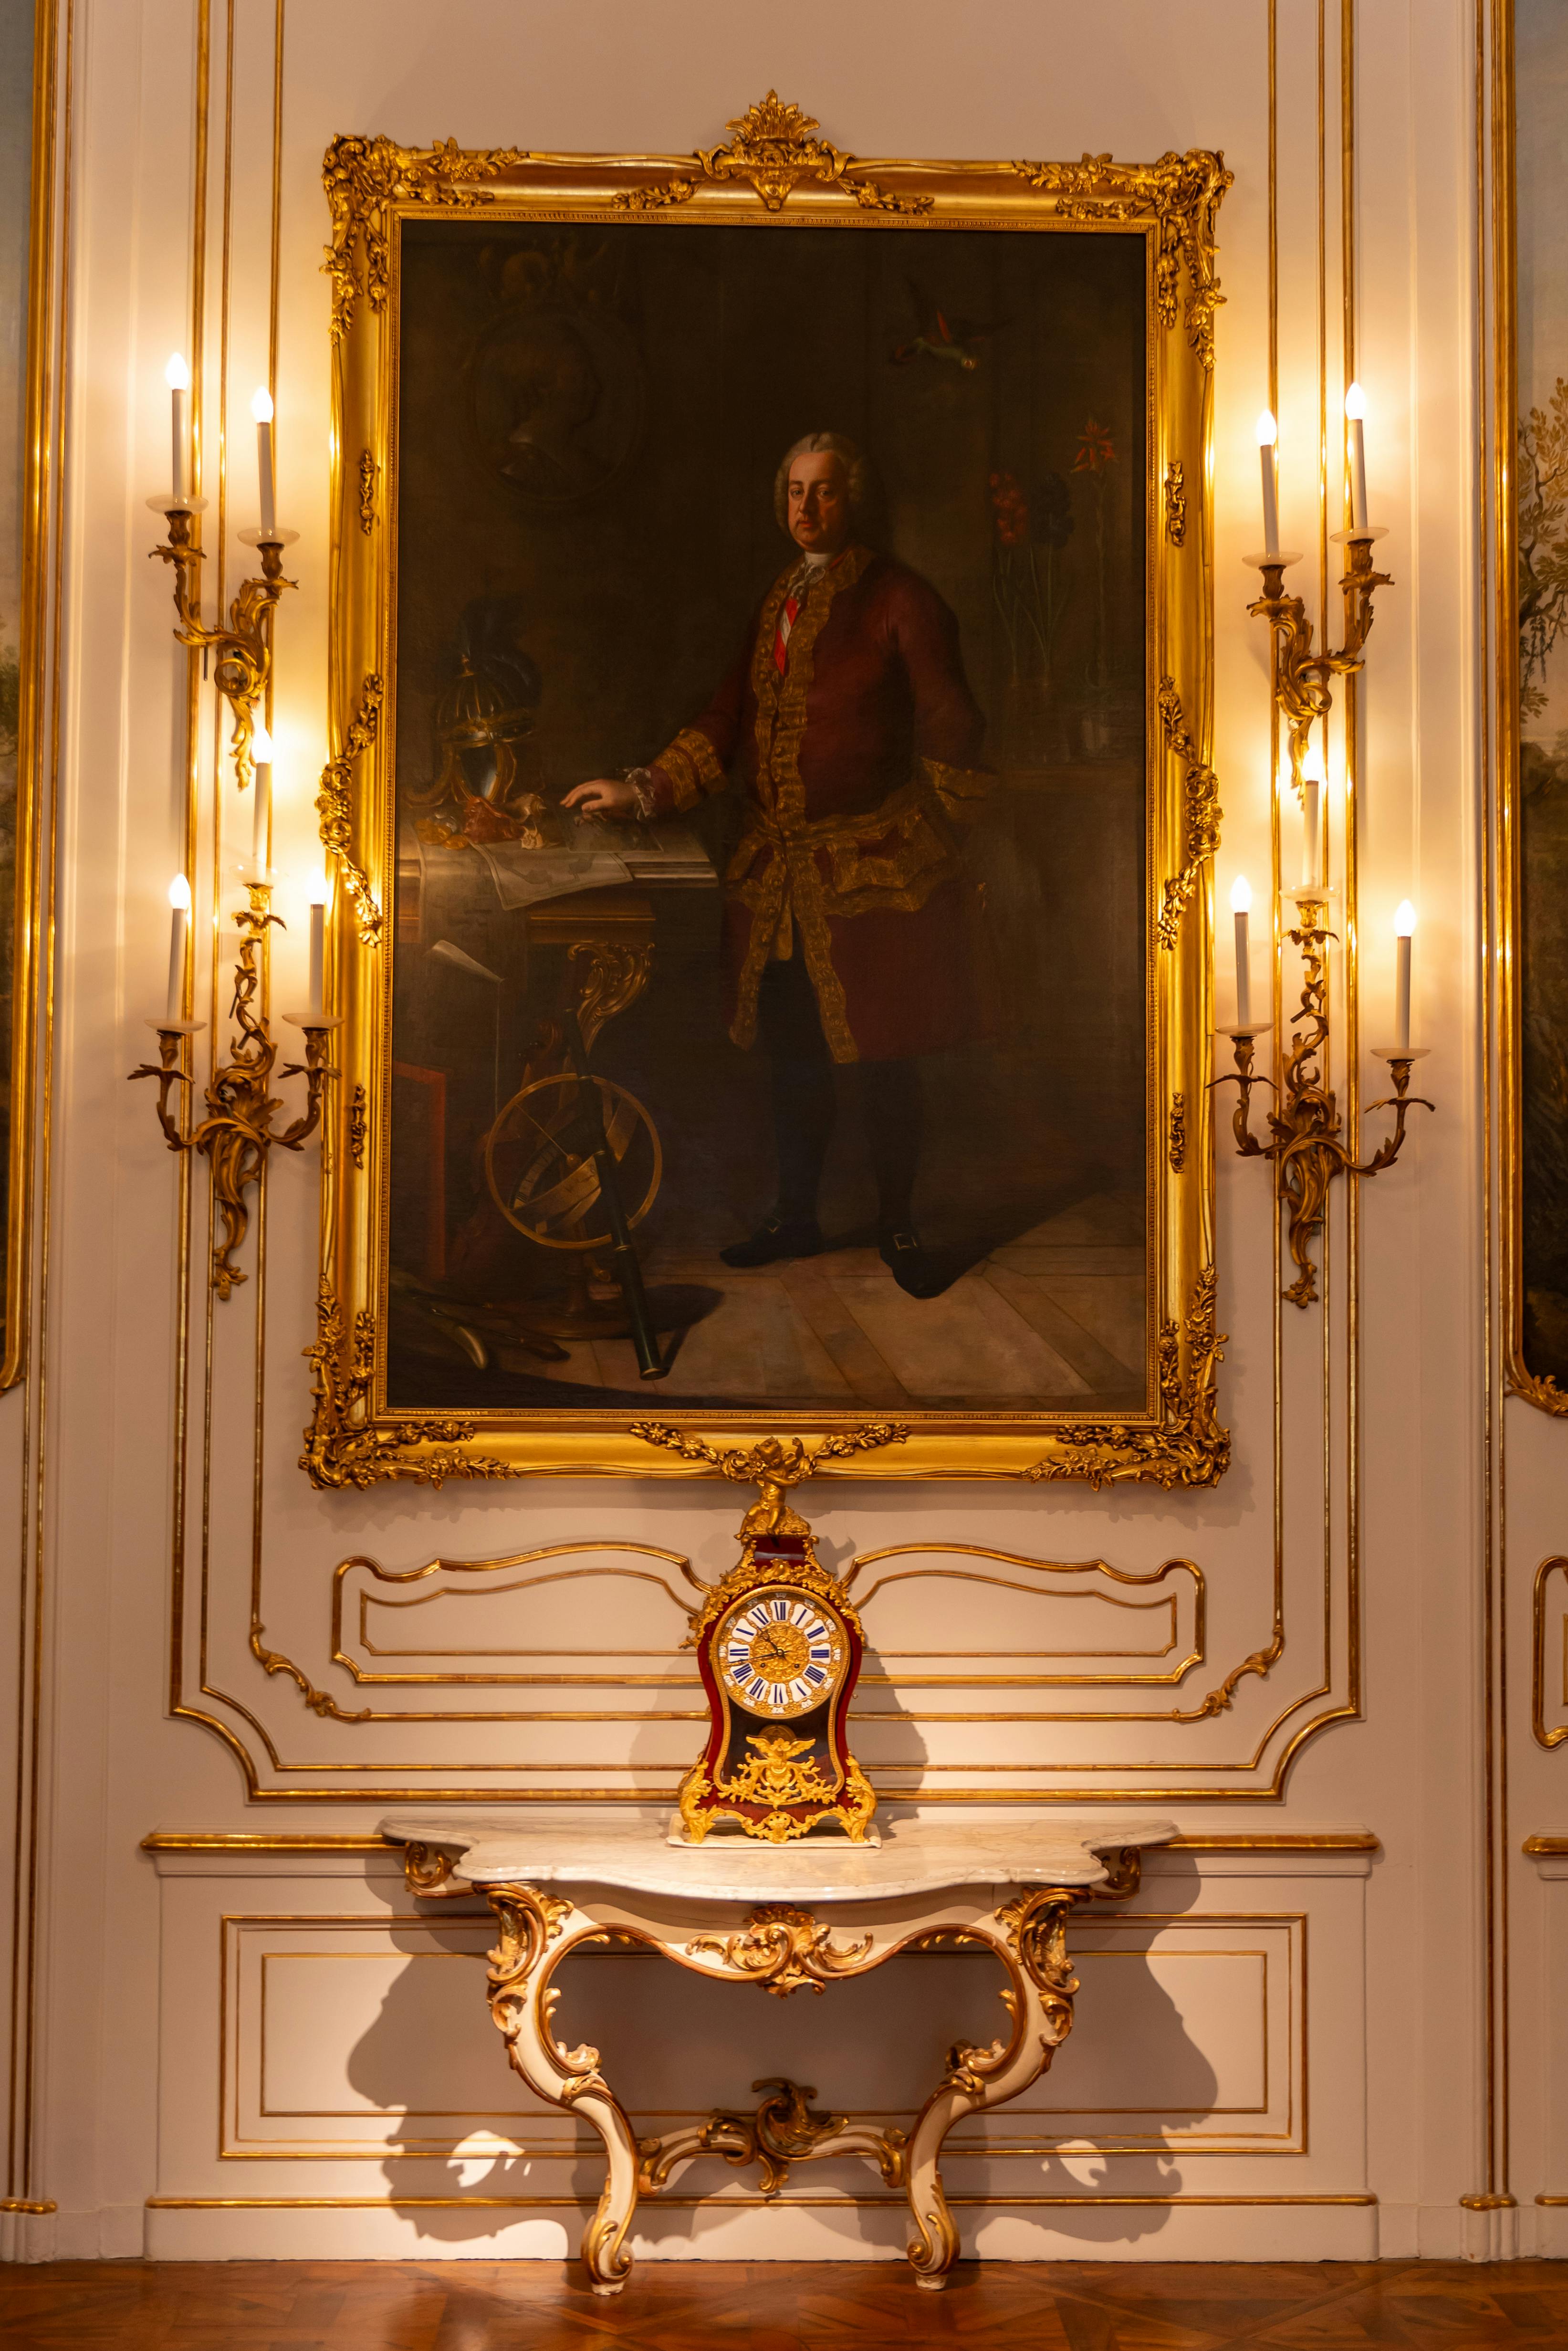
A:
(605, 796)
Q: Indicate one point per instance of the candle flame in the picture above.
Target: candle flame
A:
(318, 886)
(261, 747)
(1404, 919)
(1355, 404)
(1312, 769)
(179, 894)
(1267, 430)
(261, 405)
(1241, 895)
(177, 375)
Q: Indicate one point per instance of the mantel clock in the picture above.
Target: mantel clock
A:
(779, 1646)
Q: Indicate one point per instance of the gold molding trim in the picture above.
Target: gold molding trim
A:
(1201, 788)
(307, 1841)
(1554, 1737)
(369, 474)
(741, 2200)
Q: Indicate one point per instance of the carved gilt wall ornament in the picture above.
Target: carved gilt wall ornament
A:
(344, 1447)
(772, 145)
(1200, 788)
(334, 808)
(1182, 194)
(379, 1414)
(1190, 1449)
(237, 1133)
(1175, 503)
(365, 179)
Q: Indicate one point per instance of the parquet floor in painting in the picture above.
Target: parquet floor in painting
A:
(782, 2306)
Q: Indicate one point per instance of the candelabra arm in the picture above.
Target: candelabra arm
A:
(241, 652)
(315, 1069)
(237, 1133)
(1303, 679)
(1244, 1077)
(1401, 1101)
(166, 1070)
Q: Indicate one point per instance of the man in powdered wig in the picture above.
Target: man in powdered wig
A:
(850, 723)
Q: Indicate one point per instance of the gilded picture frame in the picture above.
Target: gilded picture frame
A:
(1530, 354)
(775, 170)
(29, 272)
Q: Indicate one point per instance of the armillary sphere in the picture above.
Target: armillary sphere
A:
(542, 1167)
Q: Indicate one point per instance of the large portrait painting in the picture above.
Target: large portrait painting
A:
(772, 808)
(1536, 695)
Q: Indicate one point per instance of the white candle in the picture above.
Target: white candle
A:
(177, 376)
(179, 931)
(319, 887)
(261, 752)
(1312, 818)
(261, 408)
(1241, 905)
(1268, 434)
(1355, 410)
(1404, 925)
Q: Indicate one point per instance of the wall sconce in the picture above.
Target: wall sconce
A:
(1306, 1145)
(237, 1133)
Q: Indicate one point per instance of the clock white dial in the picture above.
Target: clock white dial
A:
(778, 1654)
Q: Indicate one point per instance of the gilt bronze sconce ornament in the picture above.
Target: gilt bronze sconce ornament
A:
(1306, 1145)
(237, 1133)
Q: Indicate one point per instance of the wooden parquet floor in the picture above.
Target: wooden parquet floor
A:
(781, 2306)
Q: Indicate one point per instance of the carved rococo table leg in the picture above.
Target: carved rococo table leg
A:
(535, 1939)
(1028, 1936)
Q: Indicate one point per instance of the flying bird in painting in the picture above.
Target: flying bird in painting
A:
(937, 337)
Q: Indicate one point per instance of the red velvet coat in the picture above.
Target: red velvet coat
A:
(859, 761)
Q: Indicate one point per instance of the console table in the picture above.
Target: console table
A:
(786, 1919)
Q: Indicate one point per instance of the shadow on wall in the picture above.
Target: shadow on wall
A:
(675, 2045)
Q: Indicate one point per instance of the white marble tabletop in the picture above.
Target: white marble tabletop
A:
(632, 1853)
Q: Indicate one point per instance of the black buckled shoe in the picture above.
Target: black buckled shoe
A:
(775, 1237)
(911, 1265)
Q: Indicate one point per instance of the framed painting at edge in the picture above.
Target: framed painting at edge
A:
(774, 173)
(30, 286)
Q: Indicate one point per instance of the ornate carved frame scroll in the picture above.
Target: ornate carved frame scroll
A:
(774, 168)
